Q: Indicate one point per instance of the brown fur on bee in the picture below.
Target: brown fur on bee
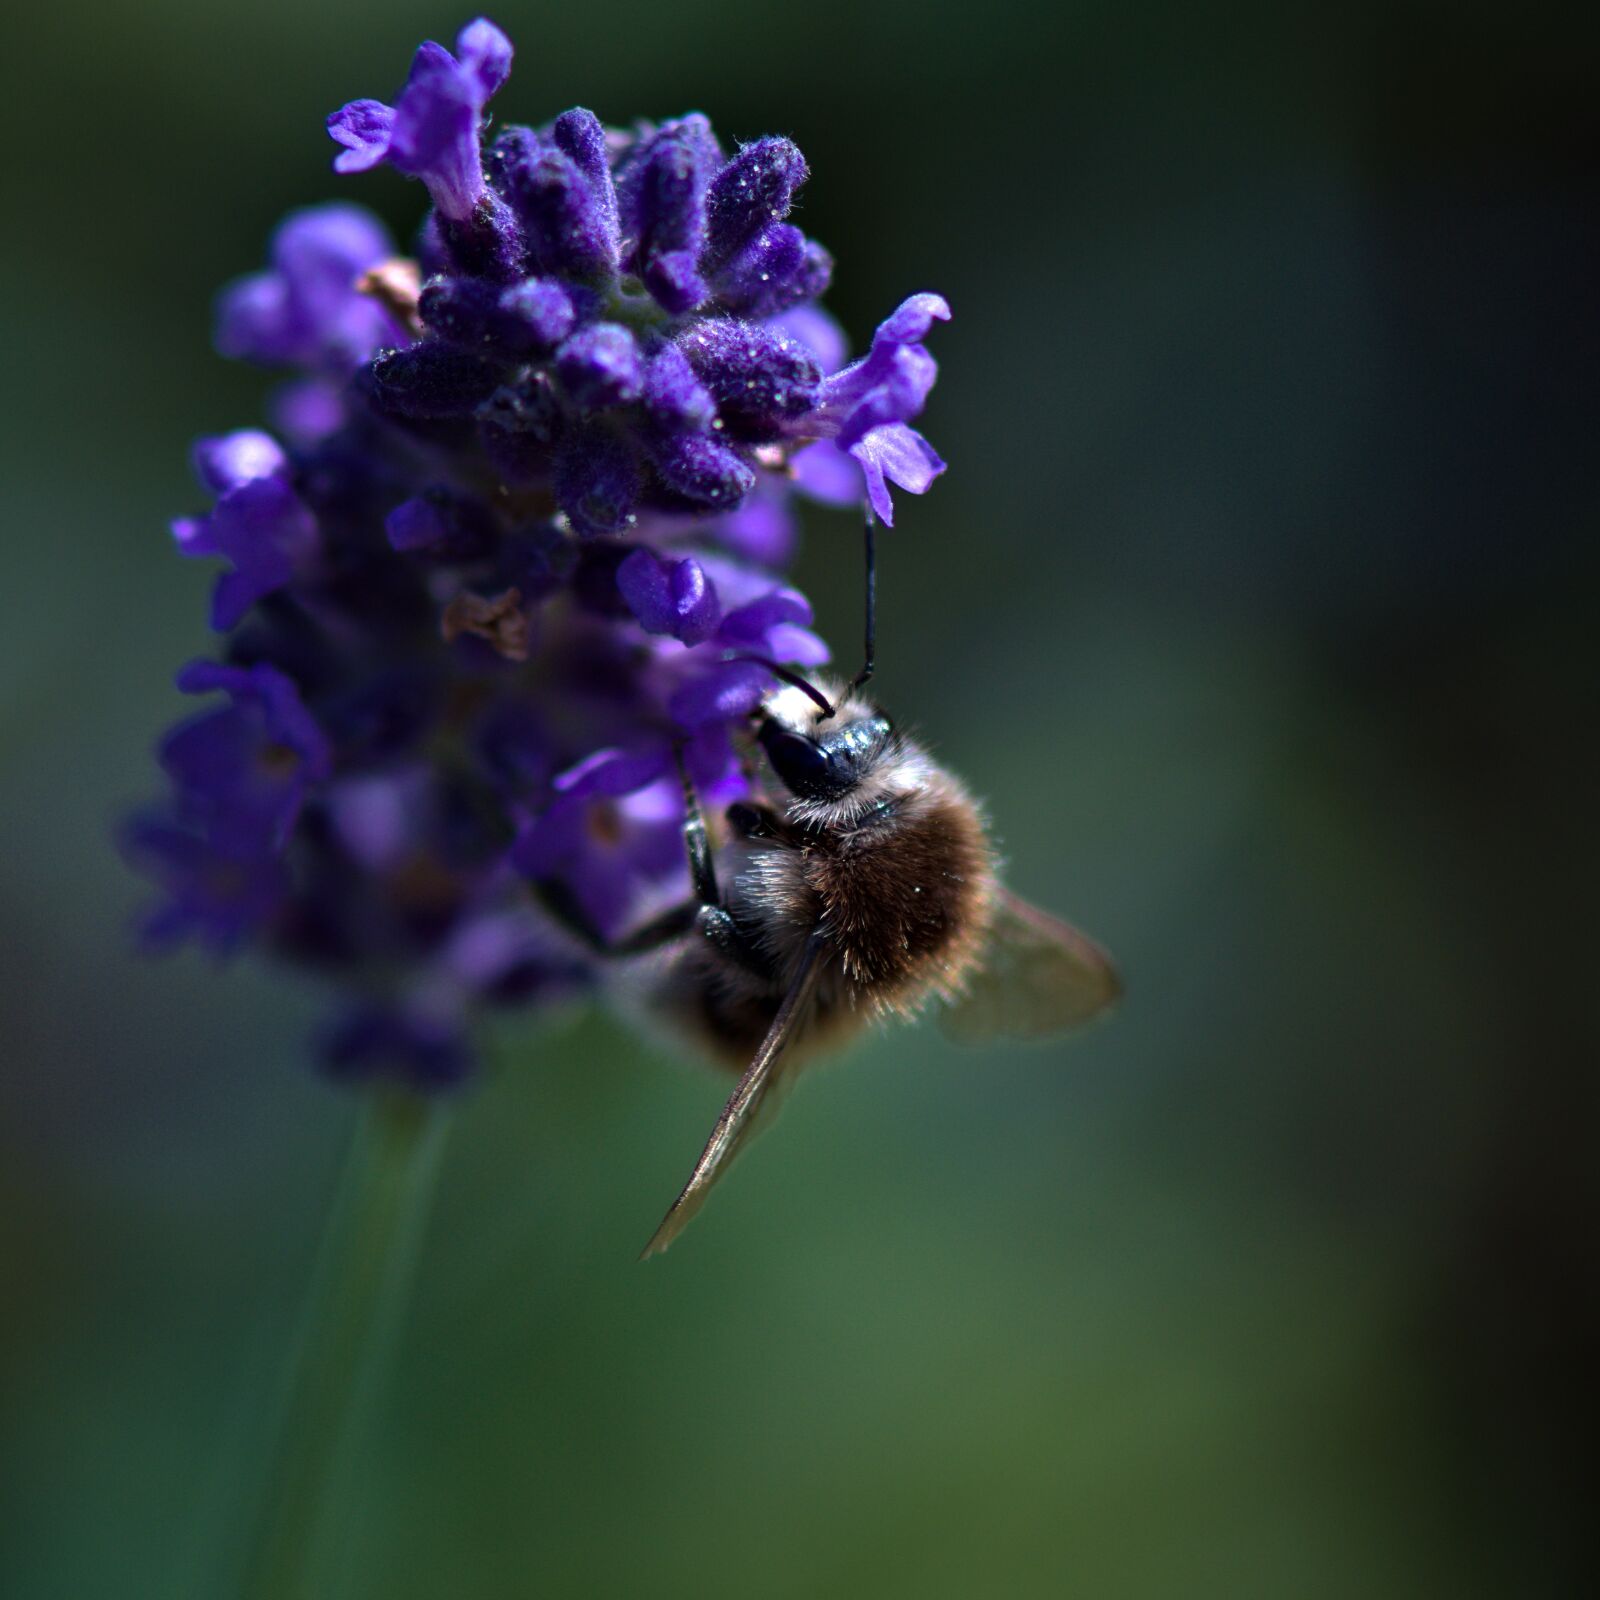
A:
(905, 901)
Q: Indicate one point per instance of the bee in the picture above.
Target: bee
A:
(858, 884)
(862, 885)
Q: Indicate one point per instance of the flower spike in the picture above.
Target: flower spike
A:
(513, 550)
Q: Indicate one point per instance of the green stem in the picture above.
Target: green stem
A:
(302, 1543)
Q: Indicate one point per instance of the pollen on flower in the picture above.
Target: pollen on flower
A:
(499, 620)
(605, 824)
(396, 285)
(514, 545)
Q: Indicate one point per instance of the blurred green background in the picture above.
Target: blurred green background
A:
(1260, 602)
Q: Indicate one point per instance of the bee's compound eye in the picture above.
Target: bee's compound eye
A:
(852, 748)
(801, 763)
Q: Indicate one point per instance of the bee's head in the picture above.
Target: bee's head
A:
(817, 757)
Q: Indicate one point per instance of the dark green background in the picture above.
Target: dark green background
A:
(1260, 603)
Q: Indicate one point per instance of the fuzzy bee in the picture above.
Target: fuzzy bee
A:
(860, 886)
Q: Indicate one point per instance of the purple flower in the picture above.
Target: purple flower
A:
(513, 552)
(729, 357)
(827, 473)
(700, 472)
(864, 408)
(674, 398)
(723, 693)
(598, 480)
(218, 897)
(762, 530)
(899, 454)
(567, 223)
(762, 614)
(431, 132)
(305, 309)
(443, 524)
(259, 524)
(381, 819)
(599, 367)
(817, 331)
(229, 461)
(761, 378)
(529, 318)
(752, 191)
(407, 1045)
(308, 411)
(509, 955)
(613, 839)
(777, 625)
(242, 770)
(670, 597)
(665, 203)
(891, 382)
(760, 264)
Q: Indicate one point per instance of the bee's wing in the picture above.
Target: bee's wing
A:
(1039, 976)
(749, 1106)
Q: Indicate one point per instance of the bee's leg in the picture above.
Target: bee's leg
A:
(713, 919)
(559, 902)
(658, 931)
(702, 869)
(753, 822)
(762, 822)
(732, 939)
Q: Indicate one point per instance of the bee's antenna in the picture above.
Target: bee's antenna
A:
(791, 677)
(872, 605)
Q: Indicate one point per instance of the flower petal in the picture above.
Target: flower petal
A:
(670, 597)
(901, 455)
(826, 473)
(365, 128)
(485, 53)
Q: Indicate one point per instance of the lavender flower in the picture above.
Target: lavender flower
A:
(431, 132)
(863, 410)
(242, 771)
(305, 309)
(259, 523)
(513, 554)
